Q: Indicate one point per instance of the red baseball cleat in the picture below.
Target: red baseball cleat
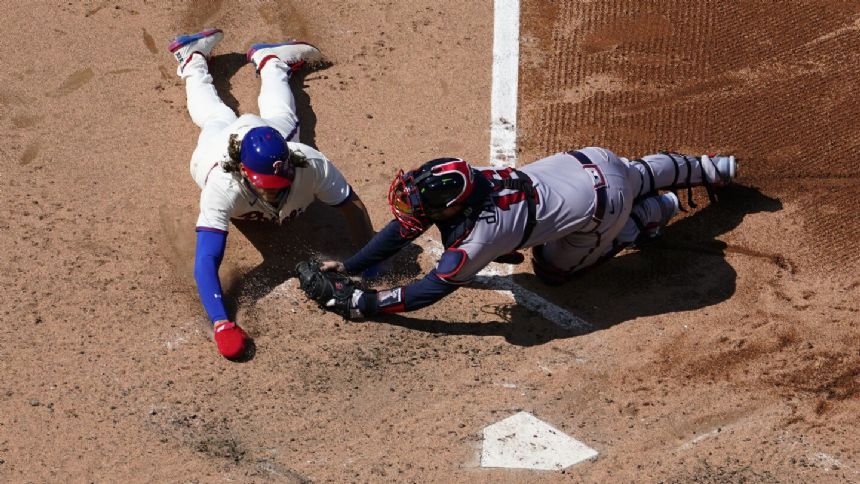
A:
(230, 339)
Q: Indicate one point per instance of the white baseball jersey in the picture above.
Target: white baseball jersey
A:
(223, 196)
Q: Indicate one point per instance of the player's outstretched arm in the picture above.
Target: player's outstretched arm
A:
(340, 294)
(343, 296)
(207, 258)
(421, 293)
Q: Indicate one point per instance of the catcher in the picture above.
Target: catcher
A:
(251, 167)
(574, 209)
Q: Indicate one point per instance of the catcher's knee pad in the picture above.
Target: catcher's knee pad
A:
(546, 272)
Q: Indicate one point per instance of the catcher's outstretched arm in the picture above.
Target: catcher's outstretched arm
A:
(432, 288)
(338, 292)
(383, 245)
(417, 295)
(207, 258)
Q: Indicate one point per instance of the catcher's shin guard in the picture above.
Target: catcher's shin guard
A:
(668, 170)
(648, 218)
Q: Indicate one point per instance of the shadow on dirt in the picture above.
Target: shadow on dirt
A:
(222, 68)
(684, 270)
(520, 327)
(317, 233)
(304, 109)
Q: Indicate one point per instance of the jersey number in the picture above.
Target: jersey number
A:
(505, 201)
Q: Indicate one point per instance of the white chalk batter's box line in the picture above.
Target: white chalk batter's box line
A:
(498, 278)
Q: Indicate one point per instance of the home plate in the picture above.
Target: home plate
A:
(523, 441)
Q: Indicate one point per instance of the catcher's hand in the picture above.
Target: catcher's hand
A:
(332, 266)
(331, 290)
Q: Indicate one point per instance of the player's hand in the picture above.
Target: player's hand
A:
(230, 339)
(332, 266)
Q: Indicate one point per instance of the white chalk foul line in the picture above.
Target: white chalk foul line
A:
(498, 278)
(552, 312)
(506, 62)
(503, 104)
(503, 152)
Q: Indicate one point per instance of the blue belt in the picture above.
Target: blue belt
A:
(599, 186)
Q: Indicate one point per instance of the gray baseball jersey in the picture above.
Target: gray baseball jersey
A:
(587, 193)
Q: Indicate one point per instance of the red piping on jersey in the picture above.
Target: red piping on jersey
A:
(457, 242)
(457, 269)
(396, 308)
(206, 180)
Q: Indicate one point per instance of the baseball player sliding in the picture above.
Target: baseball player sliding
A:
(251, 167)
(575, 209)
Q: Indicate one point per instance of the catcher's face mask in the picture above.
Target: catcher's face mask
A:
(405, 203)
(419, 196)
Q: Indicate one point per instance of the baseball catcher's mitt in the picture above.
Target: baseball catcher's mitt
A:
(331, 290)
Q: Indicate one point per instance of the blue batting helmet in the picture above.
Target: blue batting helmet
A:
(265, 158)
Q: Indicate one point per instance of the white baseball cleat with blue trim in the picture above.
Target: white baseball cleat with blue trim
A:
(295, 53)
(186, 45)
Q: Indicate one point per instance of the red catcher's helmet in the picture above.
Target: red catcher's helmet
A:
(435, 185)
(265, 158)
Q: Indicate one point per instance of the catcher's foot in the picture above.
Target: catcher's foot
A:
(231, 340)
(652, 215)
(720, 169)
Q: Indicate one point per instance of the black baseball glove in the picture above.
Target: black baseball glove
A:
(331, 290)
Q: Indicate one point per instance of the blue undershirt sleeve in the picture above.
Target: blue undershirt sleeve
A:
(426, 291)
(437, 284)
(422, 293)
(207, 259)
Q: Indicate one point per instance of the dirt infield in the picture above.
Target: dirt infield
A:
(728, 352)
